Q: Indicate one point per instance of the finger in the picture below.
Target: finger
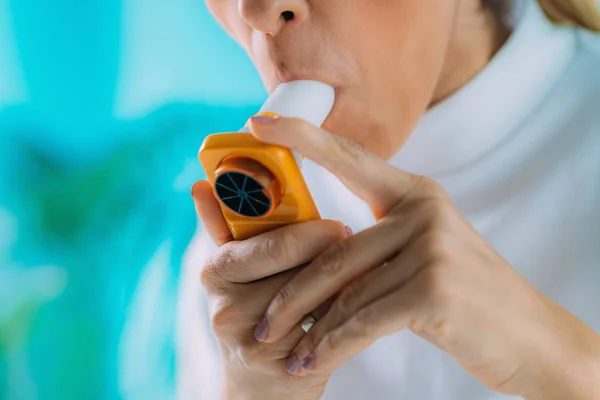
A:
(390, 314)
(293, 362)
(375, 181)
(283, 348)
(277, 353)
(272, 252)
(209, 211)
(281, 355)
(344, 262)
(378, 283)
(322, 310)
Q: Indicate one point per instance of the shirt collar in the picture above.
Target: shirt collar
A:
(471, 122)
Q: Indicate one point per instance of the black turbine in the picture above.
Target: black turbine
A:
(242, 194)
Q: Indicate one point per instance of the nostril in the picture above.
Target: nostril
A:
(287, 15)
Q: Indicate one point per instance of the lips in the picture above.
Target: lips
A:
(285, 77)
(290, 77)
(313, 68)
(292, 57)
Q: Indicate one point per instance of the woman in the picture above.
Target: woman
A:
(479, 233)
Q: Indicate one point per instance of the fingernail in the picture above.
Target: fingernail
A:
(293, 364)
(261, 119)
(309, 362)
(262, 330)
(349, 230)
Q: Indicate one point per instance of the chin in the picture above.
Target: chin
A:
(353, 121)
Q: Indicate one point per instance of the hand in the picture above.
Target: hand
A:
(240, 281)
(423, 267)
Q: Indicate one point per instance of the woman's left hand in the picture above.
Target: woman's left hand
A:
(423, 267)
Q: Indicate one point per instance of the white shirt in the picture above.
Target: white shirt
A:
(518, 150)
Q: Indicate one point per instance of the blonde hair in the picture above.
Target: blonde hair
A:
(583, 13)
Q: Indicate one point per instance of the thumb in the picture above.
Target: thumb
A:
(209, 211)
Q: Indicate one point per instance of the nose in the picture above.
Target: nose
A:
(270, 16)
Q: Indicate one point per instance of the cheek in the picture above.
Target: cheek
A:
(387, 56)
(405, 47)
(400, 50)
(259, 51)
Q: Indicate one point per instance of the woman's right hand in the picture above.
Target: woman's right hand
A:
(240, 280)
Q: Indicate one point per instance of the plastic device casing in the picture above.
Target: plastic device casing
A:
(308, 100)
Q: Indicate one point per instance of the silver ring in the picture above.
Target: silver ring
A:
(308, 323)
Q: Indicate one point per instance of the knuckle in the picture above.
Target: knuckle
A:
(442, 329)
(359, 327)
(346, 302)
(331, 262)
(436, 328)
(435, 286)
(223, 320)
(213, 272)
(228, 253)
(331, 342)
(290, 246)
(434, 324)
(432, 188)
(435, 243)
(205, 276)
(208, 277)
(435, 211)
(250, 355)
(363, 321)
(275, 247)
(283, 300)
(436, 248)
(334, 230)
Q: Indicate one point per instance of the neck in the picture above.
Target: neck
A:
(478, 35)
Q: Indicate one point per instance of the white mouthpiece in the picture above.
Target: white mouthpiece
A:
(308, 100)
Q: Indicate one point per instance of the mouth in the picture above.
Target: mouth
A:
(283, 62)
(285, 77)
(309, 100)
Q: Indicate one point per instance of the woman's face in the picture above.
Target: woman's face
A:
(384, 57)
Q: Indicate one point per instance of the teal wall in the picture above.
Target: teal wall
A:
(103, 106)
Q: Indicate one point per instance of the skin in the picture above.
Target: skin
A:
(423, 267)
(388, 60)
(440, 279)
(240, 280)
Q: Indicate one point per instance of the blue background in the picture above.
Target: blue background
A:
(103, 106)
